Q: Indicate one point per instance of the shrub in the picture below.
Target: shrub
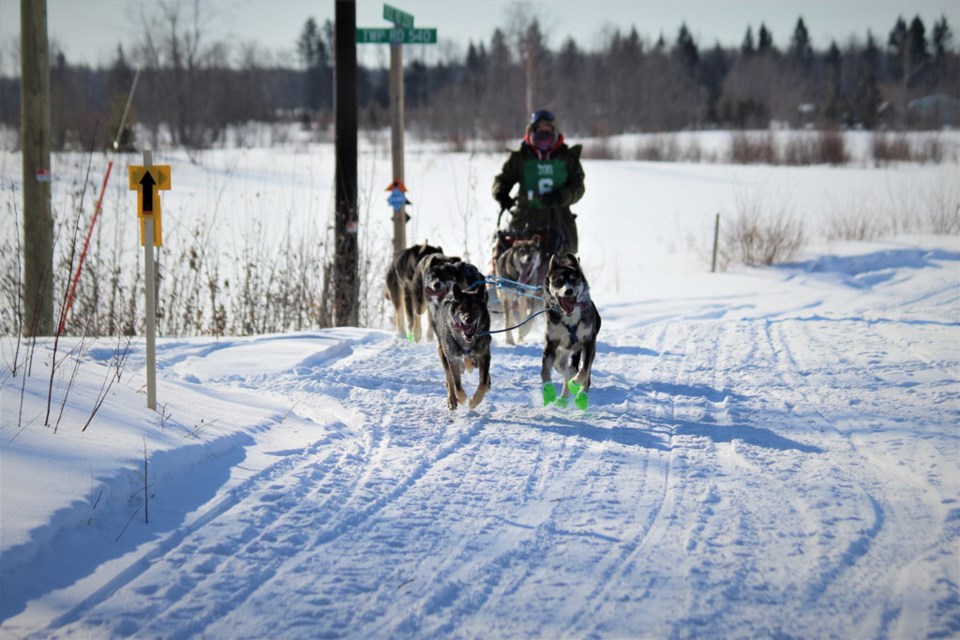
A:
(886, 148)
(748, 148)
(857, 220)
(762, 232)
(942, 204)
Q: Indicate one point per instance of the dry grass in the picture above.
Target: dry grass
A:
(764, 230)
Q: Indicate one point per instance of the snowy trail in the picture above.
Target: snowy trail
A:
(728, 480)
(742, 471)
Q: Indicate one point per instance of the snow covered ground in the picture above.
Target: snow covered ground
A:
(768, 451)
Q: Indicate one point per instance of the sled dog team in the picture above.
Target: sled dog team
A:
(454, 295)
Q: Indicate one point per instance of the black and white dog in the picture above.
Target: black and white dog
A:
(463, 342)
(402, 291)
(525, 262)
(571, 332)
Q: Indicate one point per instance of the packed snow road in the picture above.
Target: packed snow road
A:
(779, 463)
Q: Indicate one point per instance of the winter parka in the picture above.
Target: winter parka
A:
(550, 182)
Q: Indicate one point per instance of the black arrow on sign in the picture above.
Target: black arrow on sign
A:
(147, 182)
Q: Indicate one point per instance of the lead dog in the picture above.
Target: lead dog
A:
(571, 330)
(436, 275)
(524, 262)
(463, 342)
(401, 289)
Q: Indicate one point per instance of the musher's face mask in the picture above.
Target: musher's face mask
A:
(544, 138)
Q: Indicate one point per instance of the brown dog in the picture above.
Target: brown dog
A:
(463, 342)
(436, 275)
(525, 262)
(402, 292)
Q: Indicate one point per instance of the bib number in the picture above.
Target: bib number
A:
(543, 176)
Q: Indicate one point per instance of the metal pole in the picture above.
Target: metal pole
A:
(151, 306)
(716, 237)
(396, 142)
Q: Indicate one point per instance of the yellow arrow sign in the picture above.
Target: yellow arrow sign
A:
(147, 182)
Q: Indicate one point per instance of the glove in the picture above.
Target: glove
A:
(551, 198)
(506, 202)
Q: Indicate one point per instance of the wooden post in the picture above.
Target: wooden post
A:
(396, 142)
(345, 282)
(150, 285)
(35, 129)
(716, 239)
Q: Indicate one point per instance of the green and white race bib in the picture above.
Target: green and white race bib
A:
(543, 176)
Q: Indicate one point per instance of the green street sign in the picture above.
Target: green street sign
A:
(396, 36)
(397, 17)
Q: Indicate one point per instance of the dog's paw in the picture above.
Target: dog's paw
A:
(549, 393)
(580, 398)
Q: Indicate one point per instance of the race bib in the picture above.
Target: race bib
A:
(543, 176)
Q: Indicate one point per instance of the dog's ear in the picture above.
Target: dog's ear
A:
(536, 239)
(572, 259)
(553, 260)
(457, 292)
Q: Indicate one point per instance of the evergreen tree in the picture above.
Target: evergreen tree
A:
(765, 41)
(315, 57)
(867, 100)
(941, 38)
(897, 48)
(800, 49)
(917, 43)
(748, 48)
(714, 67)
(686, 48)
(832, 62)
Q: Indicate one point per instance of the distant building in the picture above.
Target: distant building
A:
(935, 110)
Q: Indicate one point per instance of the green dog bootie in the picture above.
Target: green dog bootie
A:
(549, 393)
(581, 401)
(580, 397)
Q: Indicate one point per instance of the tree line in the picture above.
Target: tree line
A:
(193, 90)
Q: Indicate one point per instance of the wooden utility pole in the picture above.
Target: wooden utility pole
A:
(345, 280)
(401, 32)
(35, 133)
(396, 142)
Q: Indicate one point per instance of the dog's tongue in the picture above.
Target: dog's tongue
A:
(525, 273)
(468, 329)
(568, 304)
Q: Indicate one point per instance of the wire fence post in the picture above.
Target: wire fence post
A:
(716, 238)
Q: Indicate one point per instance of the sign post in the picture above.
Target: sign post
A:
(147, 181)
(402, 32)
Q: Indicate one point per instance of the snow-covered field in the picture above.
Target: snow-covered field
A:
(768, 452)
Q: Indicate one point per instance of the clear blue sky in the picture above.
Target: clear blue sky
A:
(88, 31)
